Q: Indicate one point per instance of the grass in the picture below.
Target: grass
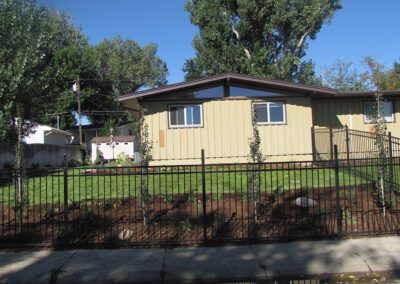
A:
(49, 188)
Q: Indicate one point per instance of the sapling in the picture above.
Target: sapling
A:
(255, 158)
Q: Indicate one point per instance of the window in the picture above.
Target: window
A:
(240, 91)
(213, 92)
(185, 115)
(270, 113)
(387, 111)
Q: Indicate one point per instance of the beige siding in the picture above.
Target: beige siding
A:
(224, 135)
(337, 113)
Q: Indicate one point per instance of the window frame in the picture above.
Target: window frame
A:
(393, 120)
(184, 116)
(284, 122)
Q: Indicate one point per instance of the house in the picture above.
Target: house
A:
(109, 148)
(43, 134)
(91, 131)
(216, 114)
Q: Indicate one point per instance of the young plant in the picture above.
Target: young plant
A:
(255, 158)
(145, 150)
(380, 128)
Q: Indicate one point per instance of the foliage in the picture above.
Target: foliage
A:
(345, 77)
(109, 124)
(99, 157)
(30, 37)
(111, 68)
(390, 80)
(266, 38)
(145, 149)
(146, 145)
(256, 157)
(122, 159)
(128, 66)
(380, 129)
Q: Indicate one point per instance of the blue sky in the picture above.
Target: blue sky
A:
(362, 27)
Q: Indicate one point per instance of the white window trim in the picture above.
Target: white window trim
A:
(369, 121)
(184, 116)
(269, 118)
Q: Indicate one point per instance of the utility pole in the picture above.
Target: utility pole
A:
(77, 90)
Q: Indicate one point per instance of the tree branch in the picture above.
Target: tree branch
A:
(236, 32)
(301, 41)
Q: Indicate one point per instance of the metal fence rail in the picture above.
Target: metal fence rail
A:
(352, 144)
(198, 204)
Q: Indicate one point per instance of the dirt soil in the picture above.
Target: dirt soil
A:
(178, 219)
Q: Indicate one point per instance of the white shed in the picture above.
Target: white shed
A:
(43, 134)
(111, 147)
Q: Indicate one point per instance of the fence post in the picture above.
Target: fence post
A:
(337, 188)
(204, 197)
(390, 160)
(331, 142)
(314, 154)
(65, 195)
(347, 146)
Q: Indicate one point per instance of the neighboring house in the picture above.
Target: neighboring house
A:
(109, 148)
(91, 131)
(216, 114)
(43, 134)
(88, 132)
(125, 129)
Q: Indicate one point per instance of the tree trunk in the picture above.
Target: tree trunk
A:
(19, 171)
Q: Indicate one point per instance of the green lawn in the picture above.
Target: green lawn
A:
(50, 188)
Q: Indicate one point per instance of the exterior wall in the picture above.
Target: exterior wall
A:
(55, 139)
(337, 113)
(41, 154)
(37, 137)
(41, 136)
(125, 130)
(120, 147)
(227, 126)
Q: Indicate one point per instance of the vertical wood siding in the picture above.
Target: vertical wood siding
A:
(337, 113)
(227, 126)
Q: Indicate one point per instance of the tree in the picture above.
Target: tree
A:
(345, 77)
(376, 73)
(255, 158)
(29, 37)
(390, 80)
(264, 37)
(111, 68)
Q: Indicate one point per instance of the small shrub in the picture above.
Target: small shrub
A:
(186, 225)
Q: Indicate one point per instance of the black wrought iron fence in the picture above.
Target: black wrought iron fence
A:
(198, 204)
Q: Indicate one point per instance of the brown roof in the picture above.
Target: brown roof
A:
(367, 93)
(107, 139)
(232, 77)
(253, 81)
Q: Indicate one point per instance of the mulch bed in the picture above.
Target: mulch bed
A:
(178, 219)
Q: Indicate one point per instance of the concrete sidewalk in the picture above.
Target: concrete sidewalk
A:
(247, 262)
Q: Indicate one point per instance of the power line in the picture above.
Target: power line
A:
(376, 43)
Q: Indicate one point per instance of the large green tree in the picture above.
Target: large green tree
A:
(258, 37)
(30, 35)
(106, 70)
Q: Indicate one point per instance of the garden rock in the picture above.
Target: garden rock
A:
(305, 202)
(125, 234)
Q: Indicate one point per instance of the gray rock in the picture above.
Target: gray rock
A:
(125, 235)
(305, 202)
